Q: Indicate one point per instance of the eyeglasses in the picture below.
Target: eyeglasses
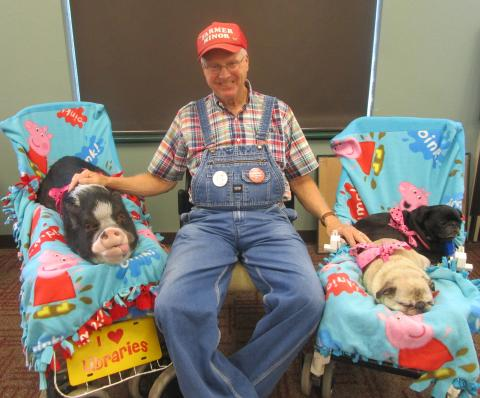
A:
(217, 68)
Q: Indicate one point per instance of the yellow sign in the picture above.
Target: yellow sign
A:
(115, 348)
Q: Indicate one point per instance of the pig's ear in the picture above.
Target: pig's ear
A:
(116, 196)
(70, 215)
(69, 206)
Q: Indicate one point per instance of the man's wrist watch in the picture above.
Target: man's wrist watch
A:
(325, 215)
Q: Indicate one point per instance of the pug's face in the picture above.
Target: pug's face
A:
(411, 295)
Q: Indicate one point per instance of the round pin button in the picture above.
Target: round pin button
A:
(256, 175)
(220, 178)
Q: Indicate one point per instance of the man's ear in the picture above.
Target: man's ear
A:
(387, 290)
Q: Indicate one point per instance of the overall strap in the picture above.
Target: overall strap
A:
(204, 123)
(266, 118)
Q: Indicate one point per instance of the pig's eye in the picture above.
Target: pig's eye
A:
(89, 227)
(121, 218)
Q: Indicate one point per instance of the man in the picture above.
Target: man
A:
(245, 151)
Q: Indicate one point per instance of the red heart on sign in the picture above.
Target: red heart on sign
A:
(115, 335)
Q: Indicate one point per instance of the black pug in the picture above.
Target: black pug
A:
(435, 226)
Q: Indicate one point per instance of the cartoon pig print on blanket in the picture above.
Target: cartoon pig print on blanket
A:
(51, 234)
(341, 283)
(355, 204)
(54, 284)
(74, 116)
(348, 148)
(39, 145)
(412, 196)
(418, 348)
(363, 152)
(148, 234)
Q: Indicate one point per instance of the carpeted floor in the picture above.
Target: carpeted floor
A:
(237, 319)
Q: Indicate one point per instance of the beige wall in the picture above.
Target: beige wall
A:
(33, 67)
(429, 62)
(428, 65)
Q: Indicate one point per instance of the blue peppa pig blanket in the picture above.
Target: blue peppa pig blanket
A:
(63, 297)
(399, 162)
(390, 162)
(438, 342)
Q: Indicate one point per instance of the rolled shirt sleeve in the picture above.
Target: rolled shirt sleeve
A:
(170, 159)
(300, 159)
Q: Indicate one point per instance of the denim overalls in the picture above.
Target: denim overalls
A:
(237, 192)
(239, 177)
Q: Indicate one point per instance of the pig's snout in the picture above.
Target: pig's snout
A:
(112, 236)
(111, 246)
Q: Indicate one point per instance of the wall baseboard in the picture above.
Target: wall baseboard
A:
(7, 242)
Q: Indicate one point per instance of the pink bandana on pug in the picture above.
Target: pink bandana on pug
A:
(367, 252)
(397, 222)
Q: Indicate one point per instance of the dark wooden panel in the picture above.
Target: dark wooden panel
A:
(139, 58)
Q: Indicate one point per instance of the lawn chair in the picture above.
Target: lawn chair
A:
(398, 162)
(95, 319)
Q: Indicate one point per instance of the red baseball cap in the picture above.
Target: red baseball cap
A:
(227, 36)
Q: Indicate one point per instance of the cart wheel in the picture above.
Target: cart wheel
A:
(163, 385)
(327, 380)
(62, 384)
(306, 379)
(68, 390)
(139, 386)
(134, 384)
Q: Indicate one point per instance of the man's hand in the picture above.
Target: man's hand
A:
(88, 177)
(348, 232)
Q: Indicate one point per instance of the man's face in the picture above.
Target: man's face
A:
(226, 73)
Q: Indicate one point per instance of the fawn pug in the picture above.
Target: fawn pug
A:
(395, 276)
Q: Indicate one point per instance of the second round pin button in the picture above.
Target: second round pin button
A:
(256, 175)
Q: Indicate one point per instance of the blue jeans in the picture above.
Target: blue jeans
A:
(194, 287)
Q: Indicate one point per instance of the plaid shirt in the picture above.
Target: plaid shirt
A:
(183, 145)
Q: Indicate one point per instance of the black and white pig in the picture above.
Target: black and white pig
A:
(97, 224)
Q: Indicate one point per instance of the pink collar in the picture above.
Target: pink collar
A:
(367, 252)
(397, 222)
(57, 195)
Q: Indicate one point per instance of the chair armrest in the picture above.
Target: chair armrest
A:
(184, 205)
